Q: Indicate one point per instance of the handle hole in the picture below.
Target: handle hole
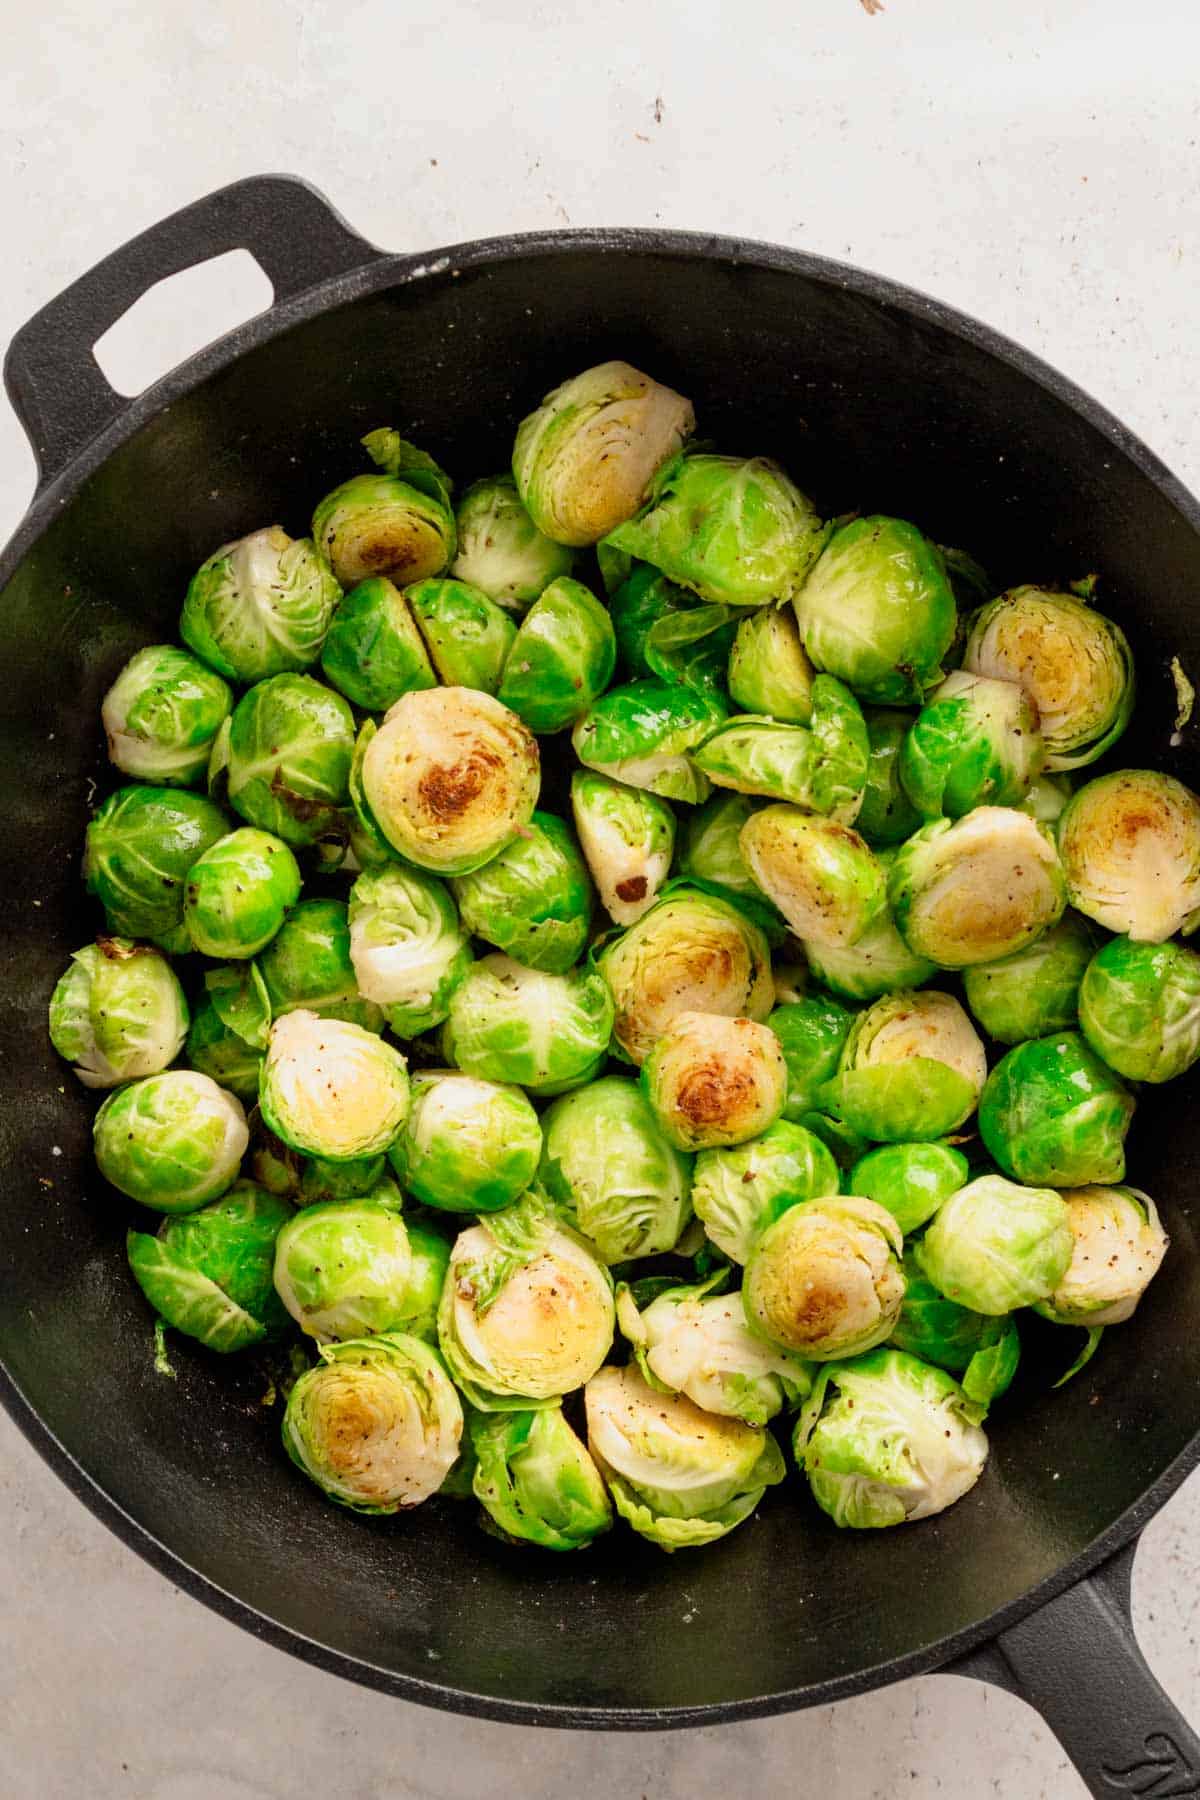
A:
(178, 316)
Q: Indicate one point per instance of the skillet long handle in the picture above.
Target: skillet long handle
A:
(55, 383)
(1077, 1661)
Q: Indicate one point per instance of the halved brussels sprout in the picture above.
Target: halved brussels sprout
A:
(286, 764)
(910, 1180)
(641, 734)
(140, 845)
(467, 1145)
(237, 893)
(912, 1068)
(895, 1441)
(691, 1341)
(407, 947)
(1139, 1008)
(994, 1245)
(734, 529)
(229, 1029)
(976, 742)
(738, 1192)
(562, 659)
(161, 715)
(373, 651)
(1052, 1112)
(713, 1080)
(170, 1141)
(398, 523)
(678, 1475)
(332, 1089)
(534, 899)
(769, 670)
(500, 549)
(627, 837)
(117, 1013)
(1036, 990)
(535, 1480)
(322, 1181)
(1119, 1245)
(343, 1268)
(819, 873)
(451, 777)
(259, 606)
(545, 1032)
(308, 964)
(877, 610)
(585, 459)
(1130, 848)
(812, 1032)
(1073, 663)
(527, 1310)
(824, 1280)
(887, 816)
(663, 630)
(208, 1273)
(983, 1351)
(377, 1424)
(468, 636)
(822, 767)
(978, 888)
(877, 963)
(607, 1164)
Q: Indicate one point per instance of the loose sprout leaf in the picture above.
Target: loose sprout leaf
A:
(1185, 700)
(1090, 1347)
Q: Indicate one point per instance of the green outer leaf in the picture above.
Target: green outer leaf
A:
(1052, 1114)
(208, 1273)
(887, 816)
(536, 1481)
(1139, 1008)
(640, 734)
(813, 1032)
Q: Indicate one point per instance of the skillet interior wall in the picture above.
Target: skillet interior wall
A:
(870, 409)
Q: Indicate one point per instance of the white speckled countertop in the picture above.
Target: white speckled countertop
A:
(1033, 163)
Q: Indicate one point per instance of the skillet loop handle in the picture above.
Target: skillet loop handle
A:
(1077, 1661)
(54, 381)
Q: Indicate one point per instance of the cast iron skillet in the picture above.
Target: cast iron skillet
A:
(876, 398)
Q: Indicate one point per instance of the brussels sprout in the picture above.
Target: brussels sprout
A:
(170, 1141)
(322, 1181)
(1047, 798)
(910, 1180)
(562, 659)
(733, 529)
(887, 816)
(692, 1341)
(343, 1268)
(377, 1424)
(237, 893)
(1072, 662)
(627, 837)
(467, 635)
(983, 1351)
(407, 947)
(373, 651)
(607, 1164)
(308, 964)
(664, 631)
(710, 851)
(895, 1441)
(877, 610)
(1139, 1008)
(288, 754)
(994, 1246)
(976, 742)
(822, 768)
(877, 963)
(535, 1480)
(398, 523)
(641, 734)
(819, 873)
(500, 549)
(450, 777)
(209, 1273)
(912, 1068)
(545, 1032)
(467, 1145)
(713, 1080)
(738, 1192)
(1130, 848)
(976, 889)
(769, 670)
(1052, 1112)
(161, 715)
(220, 1050)
(1036, 990)
(678, 1475)
(1119, 1245)
(140, 845)
(534, 899)
(332, 1089)
(430, 1264)
(526, 1312)
(811, 1032)
(585, 459)
(824, 1280)
(260, 606)
(692, 952)
(117, 1013)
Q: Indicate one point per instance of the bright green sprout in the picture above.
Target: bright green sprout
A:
(978, 888)
(170, 1141)
(975, 742)
(738, 1192)
(408, 948)
(118, 1013)
(500, 549)
(309, 965)
(1036, 990)
(628, 838)
(229, 1030)
(876, 964)
(1053, 1114)
(911, 1181)
(373, 651)
(821, 767)
(208, 1273)
(641, 734)
(534, 900)
(887, 816)
(398, 523)
(824, 1280)
(141, 842)
(536, 1482)
(285, 761)
(994, 1245)
(664, 631)
(769, 670)
(260, 606)
(562, 659)
(983, 1352)
(694, 1341)
(912, 1069)
(1130, 848)
(430, 1265)
(820, 874)
(812, 1032)
(467, 1145)
(332, 1089)
(161, 715)
(1119, 1245)
(1139, 1008)
(343, 1269)
(607, 1164)
(468, 636)
(547, 1033)
(710, 851)
(237, 893)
